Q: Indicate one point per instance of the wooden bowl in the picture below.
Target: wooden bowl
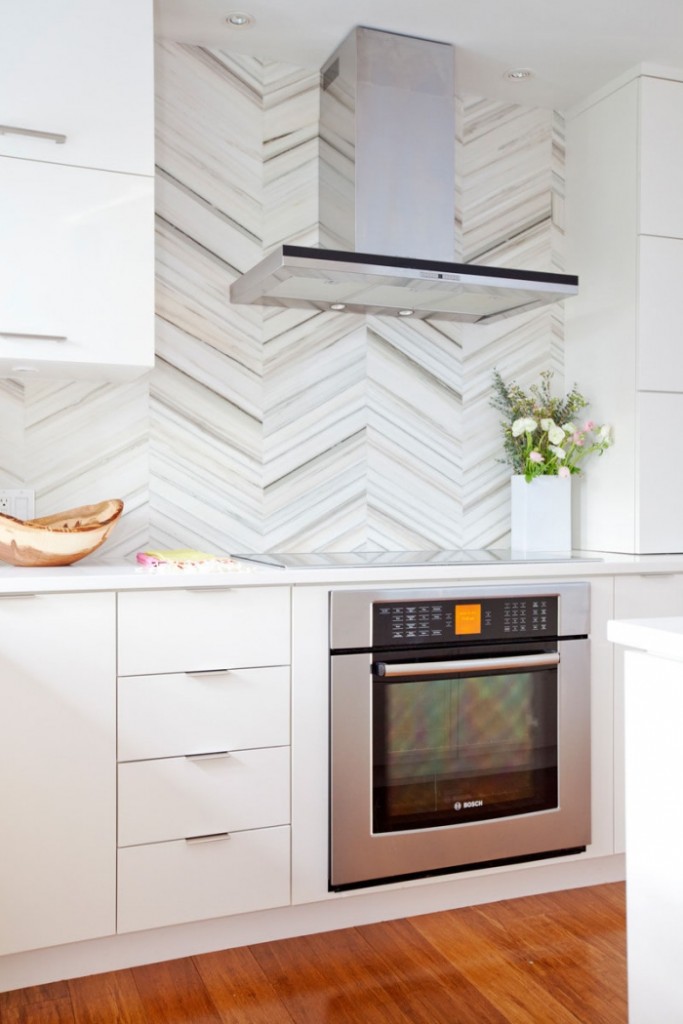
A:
(59, 539)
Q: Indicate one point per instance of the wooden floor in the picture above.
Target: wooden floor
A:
(557, 958)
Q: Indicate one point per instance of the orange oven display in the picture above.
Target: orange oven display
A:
(467, 619)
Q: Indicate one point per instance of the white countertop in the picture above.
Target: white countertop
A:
(95, 573)
(663, 636)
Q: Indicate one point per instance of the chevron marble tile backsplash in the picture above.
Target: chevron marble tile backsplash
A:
(266, 429)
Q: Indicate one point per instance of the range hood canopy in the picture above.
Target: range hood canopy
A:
(387, 199)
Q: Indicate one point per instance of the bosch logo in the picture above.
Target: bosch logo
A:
(457, 806)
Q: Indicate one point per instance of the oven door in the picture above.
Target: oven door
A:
(468, 738)
(472, 756)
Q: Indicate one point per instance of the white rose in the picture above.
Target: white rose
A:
(547, 424)
(524, 425)
(556, 435)
(559, 452)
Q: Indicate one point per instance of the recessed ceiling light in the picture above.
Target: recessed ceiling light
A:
(406, 312)
(519, 74)
(338, 306)
(238, 19)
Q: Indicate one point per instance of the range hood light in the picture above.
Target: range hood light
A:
(238, 19)
(519, 74)
(338, 306)
(406, 312)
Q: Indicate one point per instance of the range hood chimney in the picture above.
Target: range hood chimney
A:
(387, 199)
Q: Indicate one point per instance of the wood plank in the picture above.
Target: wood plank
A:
(50, 1011)
(329, 977)
(174, 992)
(110, 997)
(424, 982)
(239, 989)
(494, 966)
(560, 954)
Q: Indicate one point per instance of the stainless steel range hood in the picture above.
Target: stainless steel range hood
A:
(387, 199)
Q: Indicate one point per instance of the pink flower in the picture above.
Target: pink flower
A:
(563, 471)
(589, 425)
(535, 457)
(578, 439)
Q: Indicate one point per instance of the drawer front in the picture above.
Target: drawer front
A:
(170, 883)
(193, 630)
(179, 797)
(175, 715)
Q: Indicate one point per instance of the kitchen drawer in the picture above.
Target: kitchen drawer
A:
(180, 797)
(170, 883)
(198, 629)
(200, 713)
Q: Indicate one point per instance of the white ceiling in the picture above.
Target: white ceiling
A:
(573, 46)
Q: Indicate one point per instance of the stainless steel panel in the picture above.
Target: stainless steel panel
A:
(351, 610)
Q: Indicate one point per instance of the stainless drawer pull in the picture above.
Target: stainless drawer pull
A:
(391, 670)
(207, 590)
(207, 757)
(208, 672)
(33, 337)
(213, 837)
(8, 129)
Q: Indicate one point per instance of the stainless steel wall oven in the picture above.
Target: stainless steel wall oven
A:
(459, 729)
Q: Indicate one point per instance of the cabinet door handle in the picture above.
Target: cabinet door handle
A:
(33, 337)
(8, 129)
(208, 672)
(207, 757)
(213, 837)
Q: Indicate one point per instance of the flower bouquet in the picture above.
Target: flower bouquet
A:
(542, 435)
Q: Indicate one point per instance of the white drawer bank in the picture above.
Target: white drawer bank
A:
(203, 751)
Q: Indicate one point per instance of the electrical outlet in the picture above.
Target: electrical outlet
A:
(20, 504)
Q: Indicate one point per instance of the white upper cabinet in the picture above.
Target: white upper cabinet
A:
(76, 271)
(661, 157)
(79, 74)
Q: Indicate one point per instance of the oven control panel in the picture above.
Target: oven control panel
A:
(493, 618)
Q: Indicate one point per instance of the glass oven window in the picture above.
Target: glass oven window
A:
(456, 749)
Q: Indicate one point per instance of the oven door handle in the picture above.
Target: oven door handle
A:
(393, 670)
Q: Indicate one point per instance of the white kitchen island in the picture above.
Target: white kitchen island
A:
(654, 818)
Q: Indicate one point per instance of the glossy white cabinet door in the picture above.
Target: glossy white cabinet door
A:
(660, 313)
(83, 69)
(659, 501)
(661, 157)
(57, 766)
(76, 264)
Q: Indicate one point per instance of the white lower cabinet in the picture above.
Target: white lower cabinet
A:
(57, 769)
(204, 755)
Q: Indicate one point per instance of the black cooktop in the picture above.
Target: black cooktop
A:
(361, 559)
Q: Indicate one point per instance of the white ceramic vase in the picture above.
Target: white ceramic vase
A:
(541, 514)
